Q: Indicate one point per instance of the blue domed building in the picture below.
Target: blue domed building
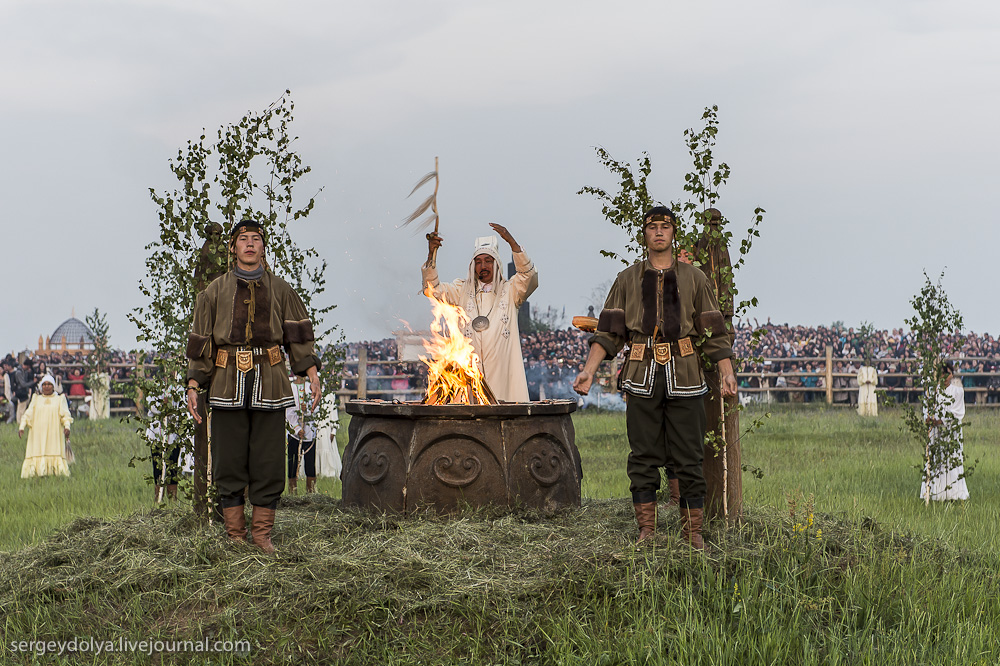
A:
(72, 336)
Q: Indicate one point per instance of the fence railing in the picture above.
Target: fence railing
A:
(898, 384)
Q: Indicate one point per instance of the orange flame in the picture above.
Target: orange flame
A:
(453, 372)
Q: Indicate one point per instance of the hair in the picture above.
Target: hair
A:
(660, 210)
(948, 368)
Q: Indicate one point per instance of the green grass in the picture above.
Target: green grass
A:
(856, 467)
(876, 578)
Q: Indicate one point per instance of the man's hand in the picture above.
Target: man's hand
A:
(192, 403)
(504, 234)
(582, 383)
(20, 432)
(66, 432)
(727, 378)
(434, 241)
(314, 386)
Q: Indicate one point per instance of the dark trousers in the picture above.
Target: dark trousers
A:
(173, 455)
(666, 432)
(248, 452)
(308, 452)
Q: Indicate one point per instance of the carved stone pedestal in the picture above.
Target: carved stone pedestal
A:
(409, 456)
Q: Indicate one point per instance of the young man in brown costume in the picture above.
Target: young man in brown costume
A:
(666, 312)
(241, 322)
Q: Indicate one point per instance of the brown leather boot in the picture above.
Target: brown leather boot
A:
(645, 515)
(157, 496)
(293, 486)
(691, 527)
(674, 485)
(310, 484)
(261, 522)
(172, 491)
(236, 523)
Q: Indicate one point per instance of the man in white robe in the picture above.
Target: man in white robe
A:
(867, 403)
(328, 461)
(945, 468)
(491, 301)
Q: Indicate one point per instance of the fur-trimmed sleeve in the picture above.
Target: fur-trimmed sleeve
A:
(709, 322)
(297, 335)
(616, 335)
(199, 346)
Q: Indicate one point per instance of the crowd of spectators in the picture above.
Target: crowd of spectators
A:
(794, 356)
(785, 356)
(69, 371)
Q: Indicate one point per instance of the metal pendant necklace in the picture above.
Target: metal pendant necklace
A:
(482, 322)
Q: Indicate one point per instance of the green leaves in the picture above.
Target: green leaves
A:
(934, 322)
(248, 170)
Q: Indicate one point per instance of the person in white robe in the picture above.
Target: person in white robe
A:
(47, 420)
(947, 481)
(867, 379)
(327, 454)
(491, 302)
(301, 439)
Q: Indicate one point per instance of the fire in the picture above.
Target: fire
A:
(453, 374)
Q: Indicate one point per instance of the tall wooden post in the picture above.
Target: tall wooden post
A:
(362, 373)
(211, 265)
(200, 480)
(722, 465)
(140, 373)
(829, 375)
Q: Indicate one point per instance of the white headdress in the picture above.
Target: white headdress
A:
(485, 245)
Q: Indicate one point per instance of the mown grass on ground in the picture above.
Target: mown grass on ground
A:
(874, 578)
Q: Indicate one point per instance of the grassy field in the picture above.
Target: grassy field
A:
(861, 573)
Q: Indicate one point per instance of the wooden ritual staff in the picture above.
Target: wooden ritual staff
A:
(428, 203)
(723, 469)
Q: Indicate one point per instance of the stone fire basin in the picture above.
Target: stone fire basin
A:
(407, 456)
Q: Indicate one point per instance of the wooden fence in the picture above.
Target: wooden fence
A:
(893, 383)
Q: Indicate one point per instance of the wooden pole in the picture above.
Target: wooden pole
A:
(362, 373)
(723, 468)
(140, 373)
(829, 375)
(201, 507)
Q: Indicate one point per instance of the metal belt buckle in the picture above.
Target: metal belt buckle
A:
(274, 355)
(661, 352)
(637, 352)
(222, 358)
(244, 360)
(685, 346)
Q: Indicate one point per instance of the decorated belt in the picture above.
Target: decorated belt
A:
(662, 351)
(248, 357)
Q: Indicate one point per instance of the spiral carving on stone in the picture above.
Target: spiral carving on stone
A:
(373, 467)
(449, 472)
(545, 468)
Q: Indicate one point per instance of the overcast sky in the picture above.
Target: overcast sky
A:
(867, 130)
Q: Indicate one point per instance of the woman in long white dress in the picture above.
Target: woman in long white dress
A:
(948, 481)
(47, 419)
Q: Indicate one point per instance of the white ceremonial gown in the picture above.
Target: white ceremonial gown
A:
(946, 484)
(327, 454)
(499, 346)
(867, 378)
